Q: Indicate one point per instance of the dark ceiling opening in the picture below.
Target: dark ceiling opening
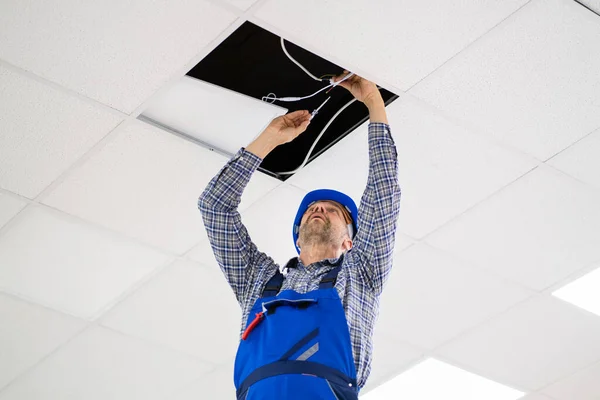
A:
(251, 61)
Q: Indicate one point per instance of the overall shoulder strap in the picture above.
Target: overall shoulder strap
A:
(330, 278)
(274, 284)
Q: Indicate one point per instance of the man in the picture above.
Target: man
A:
(307, 333)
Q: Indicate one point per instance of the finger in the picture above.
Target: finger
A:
(341, 76)
(302, 127)
(301, 118)
(346, 84)
(297, 114)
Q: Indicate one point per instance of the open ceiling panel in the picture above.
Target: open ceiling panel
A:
(251, 65)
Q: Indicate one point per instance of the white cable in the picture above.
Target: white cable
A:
(312, 114)
(265, 98)
(297, 63)
(331, 83)
(318, 137)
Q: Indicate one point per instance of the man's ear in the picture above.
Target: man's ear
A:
(347, 243)
(298, 243)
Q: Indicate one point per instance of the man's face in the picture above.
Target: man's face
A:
(324, 222)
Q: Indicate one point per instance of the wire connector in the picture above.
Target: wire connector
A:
(316, 111)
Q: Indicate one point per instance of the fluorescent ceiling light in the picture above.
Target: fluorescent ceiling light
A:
(217, 117)
(433, 379)
(584, 292)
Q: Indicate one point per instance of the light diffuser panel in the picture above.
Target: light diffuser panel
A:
(217, 117)
(584, 292)
(433, 379)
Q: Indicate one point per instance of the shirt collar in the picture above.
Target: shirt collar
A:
(293, 263)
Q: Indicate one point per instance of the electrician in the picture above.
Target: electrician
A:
(307, 333)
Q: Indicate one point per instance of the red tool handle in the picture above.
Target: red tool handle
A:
(259, 317)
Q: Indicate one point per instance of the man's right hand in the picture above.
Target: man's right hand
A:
(286, 128)
(282, 129)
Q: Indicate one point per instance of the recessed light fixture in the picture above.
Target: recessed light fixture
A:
(583, 292)
(433, 379)
(219, 118)
(228, 98)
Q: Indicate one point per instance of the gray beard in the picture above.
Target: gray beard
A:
(315, 233)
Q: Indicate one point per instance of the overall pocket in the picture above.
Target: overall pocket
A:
(288, 326)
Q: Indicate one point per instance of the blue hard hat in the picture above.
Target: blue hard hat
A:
(320, 195)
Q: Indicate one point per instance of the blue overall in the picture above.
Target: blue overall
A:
(296, 345)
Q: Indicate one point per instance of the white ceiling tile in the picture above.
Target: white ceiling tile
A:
(9, 207)
(216, 385)
(593, 4)
(443, 169)
(203, 254)
(43, 130)
(176, 308)
(537, 231)
(146, 183)
(101, 364)
(69, 266)
(401, 41)
(116, 52)
(269, 222)
(241, 4)
(433, 379)
(532, 345)
(581, 160)
(532, 82)
(535, 396)
(28, 333)
(344, 167)
(584, 385)
(402, 242)
(390, 358)
(431, 297)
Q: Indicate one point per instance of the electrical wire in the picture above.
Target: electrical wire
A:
(265, 98)
(331, 85)
(317, 140)
(312, 115)
(297, 63)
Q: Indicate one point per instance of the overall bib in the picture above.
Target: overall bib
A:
(296, 345)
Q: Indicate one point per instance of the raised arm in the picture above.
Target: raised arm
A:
(234, 251)
(379, 207)
(238, 257)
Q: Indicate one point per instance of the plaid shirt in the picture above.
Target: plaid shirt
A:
(365, 268)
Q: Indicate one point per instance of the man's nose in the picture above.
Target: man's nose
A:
(320, 208)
